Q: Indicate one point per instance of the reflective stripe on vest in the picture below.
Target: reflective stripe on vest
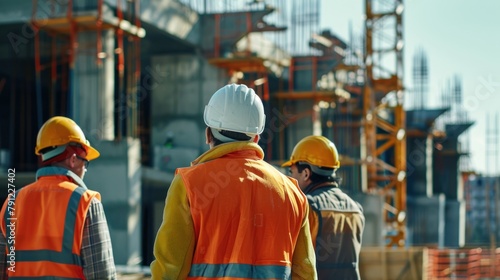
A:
(240, 271)
(66, 256)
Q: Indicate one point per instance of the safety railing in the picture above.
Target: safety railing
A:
(476, 263)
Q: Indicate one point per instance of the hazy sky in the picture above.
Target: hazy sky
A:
(460, 37)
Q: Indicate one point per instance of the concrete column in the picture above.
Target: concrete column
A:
(454, 230)
(117, 173)
(92, 86)
(419, 166)
(117, 176)
(426, 220)
(374, 218)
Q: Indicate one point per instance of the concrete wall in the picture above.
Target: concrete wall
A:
(446, 177)
(381, 263)
(185, 84)
(426, 220)
(482, 215)
(19, 11)
(172, 17)
(300, 125)
(116, 174)
(419, 166)
(374, 220)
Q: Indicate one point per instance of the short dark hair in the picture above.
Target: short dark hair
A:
(315, 177)
(231, 134)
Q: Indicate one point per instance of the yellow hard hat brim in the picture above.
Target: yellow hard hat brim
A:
(286, 164)
(92, 153)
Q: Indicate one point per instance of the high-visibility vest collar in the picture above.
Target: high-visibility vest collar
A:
(55, 170)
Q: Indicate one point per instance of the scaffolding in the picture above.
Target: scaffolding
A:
(384, 117)
(345, 102)
(312, 88)
(61, 23)
(420, 90)
(240, 44)
(451, 98)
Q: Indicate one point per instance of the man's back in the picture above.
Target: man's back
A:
(231, 215)
(338, 241)
(57, 224)
(49, 220)
(248, 220)
(243, 208)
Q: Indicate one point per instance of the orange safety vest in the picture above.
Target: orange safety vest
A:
(246, 215)
(43, 225)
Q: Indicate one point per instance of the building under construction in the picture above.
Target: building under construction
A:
(136, 75)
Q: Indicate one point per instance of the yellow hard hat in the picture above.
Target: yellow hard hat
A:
(315, 150)
(60, 131)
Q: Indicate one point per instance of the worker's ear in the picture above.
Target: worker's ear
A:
(256, 139)
(307, 173)
(209, 137)
(71, 161)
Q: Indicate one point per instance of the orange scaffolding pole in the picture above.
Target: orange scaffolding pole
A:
(137, 72)
(217, 36)
(121, 68)
(99, 31)
(38, 66)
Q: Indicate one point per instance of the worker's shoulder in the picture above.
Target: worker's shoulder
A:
(183, 170)
(333, 199)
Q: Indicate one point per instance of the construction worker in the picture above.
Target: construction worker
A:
(231, 215)
(55, 228)
(335, 219)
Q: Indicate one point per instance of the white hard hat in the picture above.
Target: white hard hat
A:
(235, 108)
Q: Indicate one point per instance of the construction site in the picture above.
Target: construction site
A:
(136, 76)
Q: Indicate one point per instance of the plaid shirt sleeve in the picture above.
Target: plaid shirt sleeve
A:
(3, 257)
(96, 252)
